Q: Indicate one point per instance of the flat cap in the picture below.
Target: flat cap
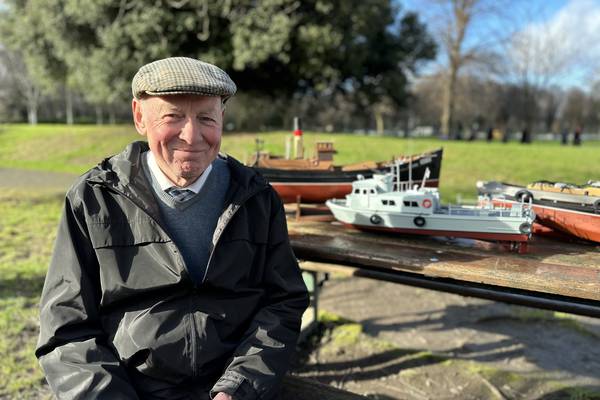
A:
(182, 75)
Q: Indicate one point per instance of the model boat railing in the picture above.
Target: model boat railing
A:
(515, 211)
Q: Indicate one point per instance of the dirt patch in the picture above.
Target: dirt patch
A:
(400, 342)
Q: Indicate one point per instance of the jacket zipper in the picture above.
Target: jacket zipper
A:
(221, 227)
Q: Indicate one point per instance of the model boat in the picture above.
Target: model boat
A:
(314, 180)
(590, 189)
(571, 212)
(546, 192)
(383, 202)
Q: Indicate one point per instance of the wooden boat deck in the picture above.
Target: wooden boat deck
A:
(556, 274)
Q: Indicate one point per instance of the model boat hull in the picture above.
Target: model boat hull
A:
(573, 221)
(316, 186)
(577, 215)
(501, 228)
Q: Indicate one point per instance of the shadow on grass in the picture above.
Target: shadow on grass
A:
(574, 393)
(20, 286)
(379, 363)
(376, 366)
(532, 334)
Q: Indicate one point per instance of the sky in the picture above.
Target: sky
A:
(563, 34)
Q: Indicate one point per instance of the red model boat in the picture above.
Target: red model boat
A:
(580, 219)
(317, 180)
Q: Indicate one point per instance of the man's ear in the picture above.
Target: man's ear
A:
(138, 120)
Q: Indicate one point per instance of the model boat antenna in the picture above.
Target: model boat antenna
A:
(425, 177)
(409, 172)
(259, 146)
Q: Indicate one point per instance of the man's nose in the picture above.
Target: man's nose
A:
(191, 132)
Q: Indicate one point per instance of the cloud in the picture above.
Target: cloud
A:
(564, 48)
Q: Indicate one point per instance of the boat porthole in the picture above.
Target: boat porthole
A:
(376, 219)
(426, 203)
(419, 221)
(525, 228)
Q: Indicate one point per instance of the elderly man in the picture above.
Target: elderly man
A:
(172, 275)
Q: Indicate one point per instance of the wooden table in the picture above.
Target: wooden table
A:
(555, 274)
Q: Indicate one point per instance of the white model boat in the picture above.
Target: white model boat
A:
(378, 203)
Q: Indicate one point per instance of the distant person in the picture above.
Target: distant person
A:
(526, 136)
(473, 133)
(172, 275)
(577, 136)
(489, 136)
(459, 131)
(564, 136)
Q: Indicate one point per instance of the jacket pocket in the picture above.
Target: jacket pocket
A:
(156, 340)
(108, 233)
(133, 258)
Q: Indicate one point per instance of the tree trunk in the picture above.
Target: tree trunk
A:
(379, 124)
(448, 104)
(462, 13)
(99, 120)
(69, 106)
(32, 118)
(406, 126)
(111, 116)
(32, 105)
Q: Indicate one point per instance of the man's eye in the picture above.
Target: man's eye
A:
(206, 119)
(172, 116)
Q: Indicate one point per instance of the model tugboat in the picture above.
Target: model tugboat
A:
(316, 179)
(574, 210)
(383, 203)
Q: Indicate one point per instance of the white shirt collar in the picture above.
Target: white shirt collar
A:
(165, 183)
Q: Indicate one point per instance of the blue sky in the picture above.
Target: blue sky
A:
(565, 34)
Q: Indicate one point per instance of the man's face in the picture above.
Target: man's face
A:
(183, 131)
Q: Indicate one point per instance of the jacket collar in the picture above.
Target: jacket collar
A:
(123, 172)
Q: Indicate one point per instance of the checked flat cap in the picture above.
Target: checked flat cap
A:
(182, 75)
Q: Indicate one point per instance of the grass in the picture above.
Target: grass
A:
(27, 231)
(74, 149)
(28, 218)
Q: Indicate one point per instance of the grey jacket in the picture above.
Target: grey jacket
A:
(121, 319)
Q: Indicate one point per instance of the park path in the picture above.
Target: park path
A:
(20, 178)
(546, 349)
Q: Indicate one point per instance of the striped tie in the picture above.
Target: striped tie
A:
(180, 195)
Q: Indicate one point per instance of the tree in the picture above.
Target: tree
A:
(466, 31)
(28, 31)
(17, 71)
(275, 47)
(545, 51)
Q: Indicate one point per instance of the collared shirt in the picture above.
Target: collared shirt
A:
(165, 183)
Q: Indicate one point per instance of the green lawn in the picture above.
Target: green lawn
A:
(27, 229)
(77, 148)
(28, 218)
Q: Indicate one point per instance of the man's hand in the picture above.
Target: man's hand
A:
(222, 396)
